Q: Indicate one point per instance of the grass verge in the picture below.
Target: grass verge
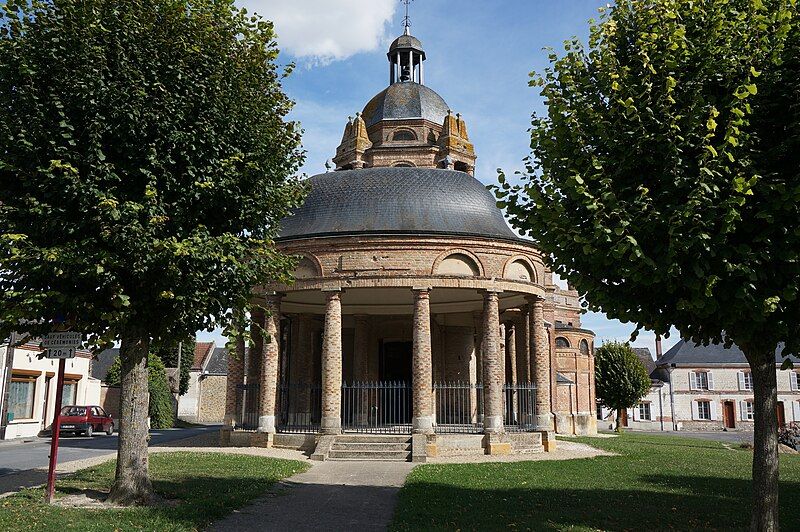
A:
(198, 488)
(656, 483)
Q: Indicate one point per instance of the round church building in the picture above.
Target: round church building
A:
(416, 312)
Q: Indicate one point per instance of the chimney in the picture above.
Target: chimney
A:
(658, 347)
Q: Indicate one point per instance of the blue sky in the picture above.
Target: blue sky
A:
(479, 56)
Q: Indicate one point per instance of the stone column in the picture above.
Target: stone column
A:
(235, 378)
(269, 364)
(511, 349)
(541, 368)
(492, 365)
(331, 422)
(421, 364)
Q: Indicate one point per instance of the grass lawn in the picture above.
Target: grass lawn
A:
(656, 483)
(203, 487)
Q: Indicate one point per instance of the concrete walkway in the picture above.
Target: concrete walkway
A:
(329, 496)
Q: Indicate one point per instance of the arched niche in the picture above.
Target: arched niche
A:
(404, 135)
(520, 270)
(307, 269)
(459, 264)
(562, 343)
(584, 347)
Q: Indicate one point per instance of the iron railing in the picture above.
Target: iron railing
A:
(519, 407)
(300, 408)
(458, 407)
(376, 407)
(247, 400)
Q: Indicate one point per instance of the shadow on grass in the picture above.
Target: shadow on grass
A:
(673, 502)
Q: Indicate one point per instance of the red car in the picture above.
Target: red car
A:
(86, 419)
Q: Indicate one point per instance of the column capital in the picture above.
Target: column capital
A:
(332, 294)
(421, 288)
(534, 299)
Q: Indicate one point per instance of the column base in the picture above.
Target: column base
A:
(422, 425)
(496, 444)
(493, 424)
(266, 424)
(330, 425)
(544, 422)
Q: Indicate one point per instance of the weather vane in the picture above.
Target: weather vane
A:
(407, 19)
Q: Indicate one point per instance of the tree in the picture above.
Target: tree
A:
(621, 380)
(663, 182)
(169, 354)
(160, 396)
(145, 162)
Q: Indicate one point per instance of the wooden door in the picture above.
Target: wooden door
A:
(728, 415)
(624, 417)
(781, 415)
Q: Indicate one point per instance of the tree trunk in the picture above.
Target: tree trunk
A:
(765, 453)
(132, 482)
(619, 421)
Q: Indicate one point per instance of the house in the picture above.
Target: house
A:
(29, 384)
(204, 401)
(697, 387)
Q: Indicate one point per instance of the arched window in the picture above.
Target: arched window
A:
(584, 347)
(458, 264)
(404, 135)
(519, 271)
(562, 342)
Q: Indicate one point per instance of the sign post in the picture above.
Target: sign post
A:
(60, 345)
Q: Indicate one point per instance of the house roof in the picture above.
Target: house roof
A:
(217, 363)
(103, 362)
(688, 353)
(644, 354)
(201, 351)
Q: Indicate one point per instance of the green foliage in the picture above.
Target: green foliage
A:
(169, 354)
(663, 180)
(621, 380)
(145, 161)
(201, 488)
(160, 411)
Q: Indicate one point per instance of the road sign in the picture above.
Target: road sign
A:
(61, 344)
(61, 339)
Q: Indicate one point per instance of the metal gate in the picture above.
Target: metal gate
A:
(376, 407)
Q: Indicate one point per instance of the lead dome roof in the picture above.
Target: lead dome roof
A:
(424, 201)
(405, 100)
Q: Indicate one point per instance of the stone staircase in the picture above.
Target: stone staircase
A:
(383, 447)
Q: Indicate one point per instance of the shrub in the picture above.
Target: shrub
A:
(790, 435)
(161, 413)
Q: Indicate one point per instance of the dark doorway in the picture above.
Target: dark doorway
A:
(728, 415)
(781, 415)
(395, 363)
(624, 417)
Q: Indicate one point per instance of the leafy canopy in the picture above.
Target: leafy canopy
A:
(621, 380)
(663, 180)
(145, 160)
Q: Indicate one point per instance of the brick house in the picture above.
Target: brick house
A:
(415, 308)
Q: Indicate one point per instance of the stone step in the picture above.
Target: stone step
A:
(336, 454)
(370, 446)
(373, 438)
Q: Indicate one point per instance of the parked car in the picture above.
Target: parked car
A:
(85, 419)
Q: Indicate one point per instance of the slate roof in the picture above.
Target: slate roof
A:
(103, 362)
(405, 42)
(414, 201)
(405, 100)
(646, 357)
(687, 353)
(217, 363)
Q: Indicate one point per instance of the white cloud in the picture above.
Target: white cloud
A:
(326, 30)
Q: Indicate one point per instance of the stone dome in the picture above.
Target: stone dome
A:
(405, 100)
(423, 201)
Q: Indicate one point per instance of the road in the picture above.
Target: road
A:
(16, 457)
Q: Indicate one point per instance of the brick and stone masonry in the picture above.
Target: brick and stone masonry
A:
(492, 365)
(541, 369)
(422, 374)
(332, 364)
(235, 377)
(269, 374)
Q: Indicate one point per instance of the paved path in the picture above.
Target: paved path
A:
(329, 496)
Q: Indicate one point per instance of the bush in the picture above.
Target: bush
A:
(161, 413)
(790, 435)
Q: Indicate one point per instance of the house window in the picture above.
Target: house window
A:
(562, 342)
(69, 394)
(745, 380)
(794, 381)
(747, 410)
(584, 348)
(20, 396)
(704, 410)
(404, 135)
(701, 380)
(644, 412)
